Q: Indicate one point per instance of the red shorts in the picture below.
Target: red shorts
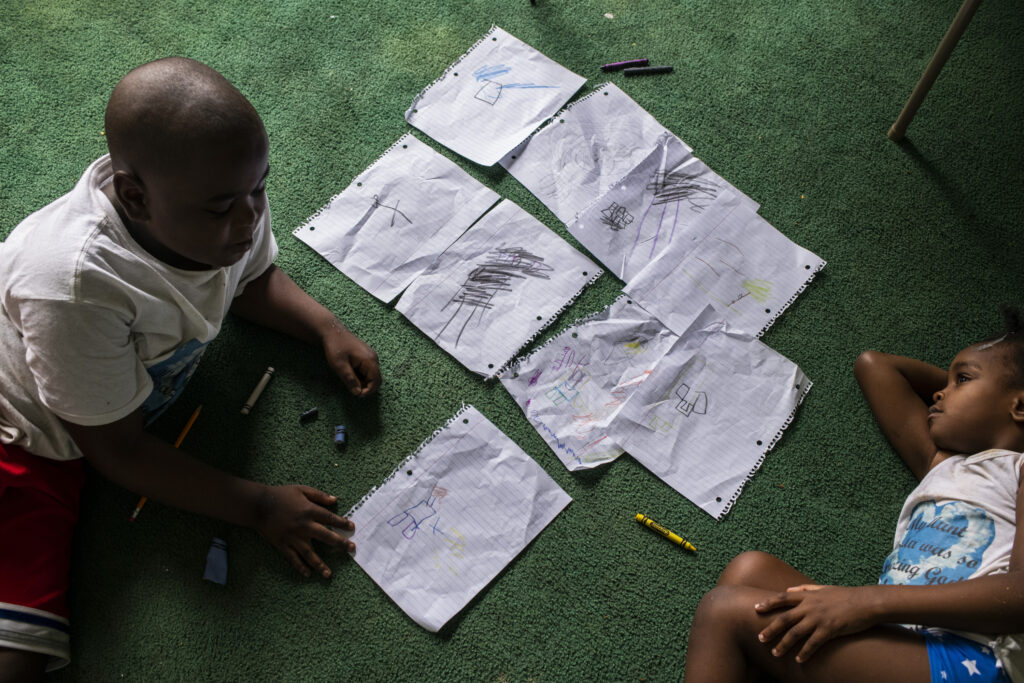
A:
(38, 511)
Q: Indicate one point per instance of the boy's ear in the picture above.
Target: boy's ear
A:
(131, 193)
(1017, 408)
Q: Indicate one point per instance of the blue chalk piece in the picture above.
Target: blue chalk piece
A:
(217, 562)
(339, 436)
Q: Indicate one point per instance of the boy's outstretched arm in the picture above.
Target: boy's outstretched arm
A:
(290, 517)
(275, 301)
(898, 391)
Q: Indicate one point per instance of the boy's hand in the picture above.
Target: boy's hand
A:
(352, 360)
(815, 614)
(291, 517)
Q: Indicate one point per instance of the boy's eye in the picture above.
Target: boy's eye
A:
(961, 378)
(219, 212)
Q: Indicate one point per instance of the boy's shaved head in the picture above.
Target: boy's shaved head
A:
(162, 112)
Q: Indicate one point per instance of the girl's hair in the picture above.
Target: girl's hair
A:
(1013, 334)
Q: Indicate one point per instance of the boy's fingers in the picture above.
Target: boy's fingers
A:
(319, 497)
(349, 379)
(329, 519)
(296, 561)
(314, 561)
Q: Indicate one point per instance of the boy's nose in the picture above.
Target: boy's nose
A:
(247, 214)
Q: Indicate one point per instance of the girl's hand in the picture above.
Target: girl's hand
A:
(815, 614)
(291, 517)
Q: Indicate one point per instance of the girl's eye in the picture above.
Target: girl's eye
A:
(220, 213)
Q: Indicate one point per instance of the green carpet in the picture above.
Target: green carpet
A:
(790, 101)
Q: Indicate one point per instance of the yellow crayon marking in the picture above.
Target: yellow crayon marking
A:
(675, 538)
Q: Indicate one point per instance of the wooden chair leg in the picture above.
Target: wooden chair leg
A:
(931, 72)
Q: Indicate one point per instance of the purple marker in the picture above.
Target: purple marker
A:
(618, 66)
(648, 70)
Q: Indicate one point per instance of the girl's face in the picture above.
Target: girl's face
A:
(974, 411)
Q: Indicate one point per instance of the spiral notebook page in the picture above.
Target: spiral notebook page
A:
(667, 198)
(451, 517)
(741, 265)
(710, 411)
(396, 217)
(492, 98)
(492, 291)
(576, 157)
(570, 388)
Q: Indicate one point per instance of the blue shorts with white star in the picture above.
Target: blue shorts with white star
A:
(953, 658)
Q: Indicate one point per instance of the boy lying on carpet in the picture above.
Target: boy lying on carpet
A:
(109, 297)
(957, 570)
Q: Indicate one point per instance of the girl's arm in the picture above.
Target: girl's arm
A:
(813, 614)
(898, 391)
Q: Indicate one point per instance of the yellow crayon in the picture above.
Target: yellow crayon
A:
(675, 538)
(177, 442)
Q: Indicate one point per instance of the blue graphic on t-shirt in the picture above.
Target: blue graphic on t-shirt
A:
(170, 377)
(942, 544)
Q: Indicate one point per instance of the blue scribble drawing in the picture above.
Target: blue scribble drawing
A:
(415, 515)
(491, 90)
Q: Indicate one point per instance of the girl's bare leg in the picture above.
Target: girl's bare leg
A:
(724, 646)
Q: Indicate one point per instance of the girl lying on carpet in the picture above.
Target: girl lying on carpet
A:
(956, 571)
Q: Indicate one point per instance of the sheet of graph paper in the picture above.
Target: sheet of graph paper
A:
(591, 146)
(492, 98)
(396, 217)
(570, 388)
(492, 291)
(452, 516)
(665, 199)
(741, 265)
(576, 157)
(710, 411)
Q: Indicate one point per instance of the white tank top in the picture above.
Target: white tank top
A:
(960, 523)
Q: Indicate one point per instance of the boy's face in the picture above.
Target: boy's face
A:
(974, 410)
(203, 211)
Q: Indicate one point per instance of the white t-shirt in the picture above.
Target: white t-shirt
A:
(960, 523)
(92, 326)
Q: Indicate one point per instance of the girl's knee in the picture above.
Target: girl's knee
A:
(748, 569)
(728, 608)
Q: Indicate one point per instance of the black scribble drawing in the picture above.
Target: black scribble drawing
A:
(616, 217)
(394, 210)
(676, 187)
(503, 267)
(688, 405)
